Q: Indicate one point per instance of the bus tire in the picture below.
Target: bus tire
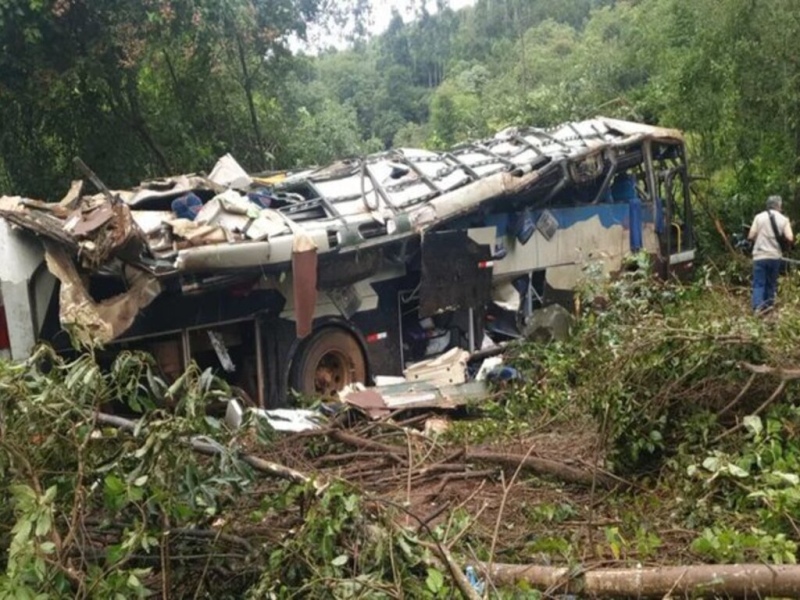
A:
(326, 363)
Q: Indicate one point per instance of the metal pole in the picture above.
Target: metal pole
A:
(259, 364)
(187, 348)
(471, 313)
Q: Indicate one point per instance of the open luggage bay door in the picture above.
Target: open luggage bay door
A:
(456, 272)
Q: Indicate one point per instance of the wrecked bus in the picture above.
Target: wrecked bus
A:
(316, 279)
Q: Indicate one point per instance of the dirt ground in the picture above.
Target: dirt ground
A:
(528, 515)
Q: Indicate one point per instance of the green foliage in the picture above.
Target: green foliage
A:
(141, 89)
(343, 549)
(551, 513)
(673, 349)
(544, 398)
(649, 364)
(72, 482)
(93, 511)
(328, 134)
(729, 546)
(759, 476)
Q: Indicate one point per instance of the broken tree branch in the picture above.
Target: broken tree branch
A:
(506, 489)
(739, 396)
(783, 374)
(463, 585)
(486, 473)
(259, 464)
(778, 391)
(359, 442)
(544, 466)
(441, 552)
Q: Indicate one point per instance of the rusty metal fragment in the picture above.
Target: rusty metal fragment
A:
(86, 220)
(18, 211)
(304, 281)
(73, 196)
(91, 321)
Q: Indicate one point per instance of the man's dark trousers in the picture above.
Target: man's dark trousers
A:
(765, 282)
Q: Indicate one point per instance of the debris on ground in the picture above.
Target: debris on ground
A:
(608, 474)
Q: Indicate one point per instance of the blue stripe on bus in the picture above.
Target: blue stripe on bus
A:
(609, 214)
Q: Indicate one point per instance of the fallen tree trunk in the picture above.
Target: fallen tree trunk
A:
(733, 581)
(544, 466)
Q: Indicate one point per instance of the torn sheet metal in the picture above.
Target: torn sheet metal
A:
(304, 280)
(379, 402)
(117, 237)
(443, 396)
(284, 420)
(18, 211)
(73, 195)
(447, 369)
(84, 221)
(96, 232)
(230, 174)
(91, 321)
(304, 286)
(370, 401)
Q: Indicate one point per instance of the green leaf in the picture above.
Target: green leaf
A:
(114, 554)
(22, 529)
(340, 560)
(712, 463)
(753, 424)
(25, 496)
(47, 547)
(350, 502)
(44, 523)
(737, 471)
(790, 478)
(434, 581)
(50, 494)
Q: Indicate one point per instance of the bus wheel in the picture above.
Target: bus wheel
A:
(331, 360)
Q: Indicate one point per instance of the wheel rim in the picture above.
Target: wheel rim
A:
(334, 371)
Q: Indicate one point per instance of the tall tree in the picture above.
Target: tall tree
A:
(141, 86)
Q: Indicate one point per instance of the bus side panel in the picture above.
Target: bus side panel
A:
(584, 235)
(27, 288)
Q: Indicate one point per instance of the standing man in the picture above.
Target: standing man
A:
(765, 233)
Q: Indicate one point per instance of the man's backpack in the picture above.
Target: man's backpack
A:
(783, 242)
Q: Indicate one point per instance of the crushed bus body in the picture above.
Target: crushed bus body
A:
(315, 279)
